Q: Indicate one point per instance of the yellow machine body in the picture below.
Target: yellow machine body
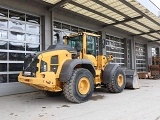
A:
(49, 80)
(59, 69)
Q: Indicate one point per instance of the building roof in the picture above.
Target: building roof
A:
(128, 15)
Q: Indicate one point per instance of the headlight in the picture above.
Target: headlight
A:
(43, 66)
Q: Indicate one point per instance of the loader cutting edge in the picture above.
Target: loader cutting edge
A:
(132, 80)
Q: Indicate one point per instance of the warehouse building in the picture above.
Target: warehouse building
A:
(130, 32)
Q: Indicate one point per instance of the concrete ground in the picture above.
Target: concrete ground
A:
(140, 104)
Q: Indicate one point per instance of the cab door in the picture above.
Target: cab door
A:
(89, 48)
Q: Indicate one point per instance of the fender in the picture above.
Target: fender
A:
(69, 65)
(108, 72)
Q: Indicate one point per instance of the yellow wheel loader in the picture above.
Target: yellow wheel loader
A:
(75, 68)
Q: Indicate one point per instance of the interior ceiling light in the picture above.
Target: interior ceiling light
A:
(52, 1)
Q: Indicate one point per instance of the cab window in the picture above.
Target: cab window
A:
(91, 45)
(71, 41)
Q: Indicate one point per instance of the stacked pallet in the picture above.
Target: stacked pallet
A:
(155, 70)
(144, 75)
(156, 60)
(155, 67)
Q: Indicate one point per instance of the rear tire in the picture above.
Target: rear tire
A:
(117, 82)
(80, 87)
(52, 94)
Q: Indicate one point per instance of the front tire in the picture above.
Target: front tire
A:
(117, 82)
(80, 87)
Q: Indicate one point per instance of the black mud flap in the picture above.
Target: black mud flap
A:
(108, 72)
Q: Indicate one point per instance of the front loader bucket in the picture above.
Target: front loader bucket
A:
(132, 80)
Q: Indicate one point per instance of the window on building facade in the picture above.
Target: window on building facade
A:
(140, 57)
(19, 35)
(115, 47)
(67, 29)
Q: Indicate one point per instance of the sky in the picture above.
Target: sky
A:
(156, 2)
(151, 7)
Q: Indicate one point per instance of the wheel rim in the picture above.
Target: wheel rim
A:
(120, 80)
(83, 86)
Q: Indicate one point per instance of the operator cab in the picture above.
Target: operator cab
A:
(74, 42)
(88, 45)
(88, 42)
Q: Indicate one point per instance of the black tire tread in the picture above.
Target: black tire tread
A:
(67, 86)
(111, 86)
